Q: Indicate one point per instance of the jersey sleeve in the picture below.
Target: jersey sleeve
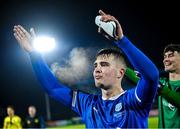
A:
(80, 102)
(170, 95)
(147, 85)
(48, 82)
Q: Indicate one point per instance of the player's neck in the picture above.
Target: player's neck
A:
(174, 76)
(11, 115)
(112, 92)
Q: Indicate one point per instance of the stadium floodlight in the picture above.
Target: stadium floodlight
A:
(44, 44)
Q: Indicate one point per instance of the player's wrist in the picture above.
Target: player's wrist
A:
(119, 37)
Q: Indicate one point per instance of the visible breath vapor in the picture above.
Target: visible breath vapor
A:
(77, 67)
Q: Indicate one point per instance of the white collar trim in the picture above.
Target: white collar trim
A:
(114, 97)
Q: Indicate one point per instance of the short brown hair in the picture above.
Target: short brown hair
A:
(117, 53)
(172, 48)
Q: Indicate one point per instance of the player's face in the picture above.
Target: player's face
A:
(106, 73)
(32, 111)
(10, 111)
(171, 61)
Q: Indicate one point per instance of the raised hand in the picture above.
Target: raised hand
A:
(24, 38)
(106, 18)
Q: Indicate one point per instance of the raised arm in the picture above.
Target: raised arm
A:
(147, 86)
(48, 82)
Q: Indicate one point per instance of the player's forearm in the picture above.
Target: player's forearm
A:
(48, 81)
(171, 96)
(139, 61)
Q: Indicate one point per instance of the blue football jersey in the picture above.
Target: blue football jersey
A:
(126, 111)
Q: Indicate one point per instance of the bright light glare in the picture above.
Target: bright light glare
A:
(44, 44)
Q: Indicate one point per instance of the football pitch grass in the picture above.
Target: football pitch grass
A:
(152, 123)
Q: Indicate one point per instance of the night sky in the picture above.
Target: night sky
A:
(149, 25)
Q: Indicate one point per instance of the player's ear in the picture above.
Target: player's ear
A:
(121, 73)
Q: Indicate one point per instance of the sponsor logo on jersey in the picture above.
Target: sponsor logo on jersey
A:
(118, 107)
(118, 110)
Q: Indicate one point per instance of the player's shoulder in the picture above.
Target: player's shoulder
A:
(130, 91)
(87, 96)
(17, 117)
(129, 94)
(123, 95)
(7, 118)
(162, 79)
